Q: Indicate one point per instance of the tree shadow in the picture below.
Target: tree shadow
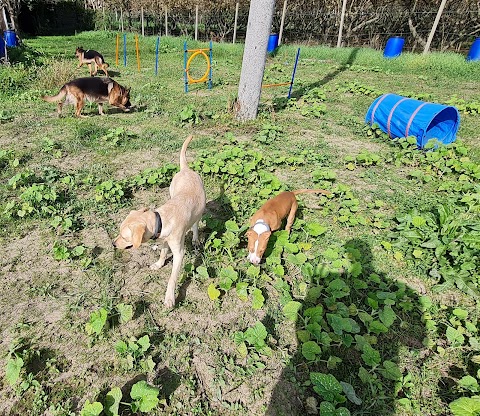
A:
(361, 319)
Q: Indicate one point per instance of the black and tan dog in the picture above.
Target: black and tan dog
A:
(90, 57)
(95, 90)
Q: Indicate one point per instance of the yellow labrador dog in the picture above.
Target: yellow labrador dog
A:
(169, 223)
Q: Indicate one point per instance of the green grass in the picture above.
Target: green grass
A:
(376, 286)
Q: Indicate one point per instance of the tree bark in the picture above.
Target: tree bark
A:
(255, 53)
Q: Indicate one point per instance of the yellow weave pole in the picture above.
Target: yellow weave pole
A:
(138, 52)
(116, 49)
(276, 85)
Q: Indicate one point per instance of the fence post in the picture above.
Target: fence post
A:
(342, 18)
(434, 27)
(166, 22)
(196, 22)
(121, 18)
(235, 24)
(280, 33)
(143, 26)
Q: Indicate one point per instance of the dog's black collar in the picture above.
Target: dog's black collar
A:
(158, 226)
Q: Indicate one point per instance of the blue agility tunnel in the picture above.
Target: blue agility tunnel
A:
(402, 117)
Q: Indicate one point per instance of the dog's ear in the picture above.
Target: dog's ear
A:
(137, 234)
(110, 87)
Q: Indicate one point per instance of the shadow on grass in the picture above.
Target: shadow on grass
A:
(369, 301)
(282, 102)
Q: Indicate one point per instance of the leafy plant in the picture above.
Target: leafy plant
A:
(134, 355)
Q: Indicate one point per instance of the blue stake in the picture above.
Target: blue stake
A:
(293, 73)
(124, 49)
(185, 65)
(156, 55)
(210, 73)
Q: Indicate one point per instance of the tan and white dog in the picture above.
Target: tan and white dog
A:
(269, 218)
(169, 223)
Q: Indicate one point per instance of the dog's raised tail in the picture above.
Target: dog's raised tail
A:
(55, 98)
(311, 191)
(183, 153)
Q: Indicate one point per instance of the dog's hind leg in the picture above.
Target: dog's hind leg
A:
(104, 69)
(291, 216)
(59, 109)
(178, 253)
(195, 240)
(100, 109)
(90, 69)
(79, 107)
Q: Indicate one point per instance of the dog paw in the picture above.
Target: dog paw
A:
(169, 301)
(156, 266)
(155, 247)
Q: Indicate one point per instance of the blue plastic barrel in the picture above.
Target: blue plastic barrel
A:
(272, 42)
(402, 117)
(393, 47)
(10, 38)
(474, 53)
(2, 48)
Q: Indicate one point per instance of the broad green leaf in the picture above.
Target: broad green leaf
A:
(125, 312)
(387, 316)
(315, 313)
(418, 221)
(241, 289)
(202, 272)
(391, 371)
(144, 343)
(91, 409)
(377, 327)
(112, 401)
(465, 406)
(350, 393)
(327, 386)
(327, 409)
(460, 313)
(454, 337)
(310, 350)
(121, 347)
(231, 226)
(253, 271)
(213, 292)
(145, 395)
(256, 335)
(370, 355)
(290, 310)
(315, 229)
(242, 350)
(469, 383)
(12, 372)
(97, 321)
(257, 298)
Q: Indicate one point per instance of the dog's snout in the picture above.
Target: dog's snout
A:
(114, 244)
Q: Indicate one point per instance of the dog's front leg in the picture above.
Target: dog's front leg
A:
(178, 253)
(163, 255)
(100, 109)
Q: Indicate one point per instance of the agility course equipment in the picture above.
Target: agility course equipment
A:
(272, 43)
(394, 47)
(474, 52)
(402, 117)
(117, 48)
(156, 54)
(282, 84)
(207, 76)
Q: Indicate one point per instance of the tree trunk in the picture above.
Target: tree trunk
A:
(255, 53)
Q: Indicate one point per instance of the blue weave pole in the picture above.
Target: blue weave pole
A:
(156, 55)
(210, 73)
(293, 73)
(185, 66)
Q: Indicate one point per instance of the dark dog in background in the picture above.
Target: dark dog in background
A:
(95, 90)
(90, 57)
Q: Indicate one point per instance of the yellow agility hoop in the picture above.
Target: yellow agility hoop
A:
(205, 75)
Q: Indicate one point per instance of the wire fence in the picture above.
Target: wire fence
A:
(456, 31)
